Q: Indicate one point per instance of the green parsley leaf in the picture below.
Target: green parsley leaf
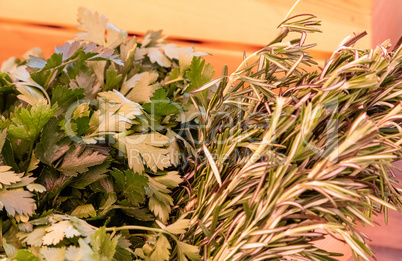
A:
(34, 238)
(36, 62)
(55, 60)
(146, 149)
(27, 123)
(116, 103)
(160, 104)
(8, 177)
(112, 78)
(103, 245)
(93, 24)
(184, 249)
(17, 201)
(160, 201)
(53, 144)
(87, 82)
(65, 97)
(53, 253)
(25, 255)
(79, 65)
(132, 185)
(151, 38)
(127, 51)
(68, 49)
(94, 174)
(79, 159)
(199, 73)
(162, 249)
(178, 227)
(171, 180)
(155, 55)
(139, 88)
(58, 231)
(84, 211)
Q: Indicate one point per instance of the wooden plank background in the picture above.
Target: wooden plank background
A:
(223, 28)
(239, 21)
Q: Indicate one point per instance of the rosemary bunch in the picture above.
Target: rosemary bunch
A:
(287, 156)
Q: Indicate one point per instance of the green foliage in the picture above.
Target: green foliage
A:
(138, 154)
(26, 124)
(199, 74)
(84, 211)
(79, 158)
(53, 144)
(64, 97)
(131, 185)
(88, 125)
(161, 250)
(283, 168)
(160, 104)
(103, 245)
(25, 255)
(112, 78)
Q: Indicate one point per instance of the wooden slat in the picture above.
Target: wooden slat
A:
(249, 22)
(22, 37)
(17, 39)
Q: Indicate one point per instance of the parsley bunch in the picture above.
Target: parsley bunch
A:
(96, 132)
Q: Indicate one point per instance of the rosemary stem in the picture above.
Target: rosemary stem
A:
(267, 139)
(233, 76)
(291, 10)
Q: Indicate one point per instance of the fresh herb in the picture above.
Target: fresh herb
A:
(114, 149)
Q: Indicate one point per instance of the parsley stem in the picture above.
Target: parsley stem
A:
(30, 152)
(174, 80)
(134, 227)
(44, 92)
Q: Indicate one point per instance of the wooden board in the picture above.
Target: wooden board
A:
(21, 37)
(239, 21)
